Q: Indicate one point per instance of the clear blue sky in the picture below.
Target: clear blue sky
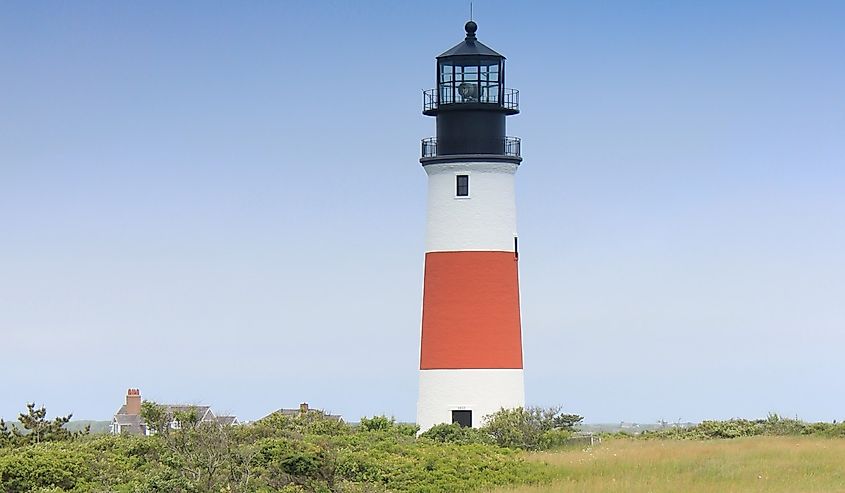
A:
(221, 203)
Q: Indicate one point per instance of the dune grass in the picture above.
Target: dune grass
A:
(757, 464)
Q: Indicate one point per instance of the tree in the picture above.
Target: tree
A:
(155, 417)
(530, 428)
(6, 435)
(38, 429)
(188, 418)
(568, 422)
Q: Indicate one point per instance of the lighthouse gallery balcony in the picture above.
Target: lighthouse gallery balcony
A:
(464, 95)
(508, 146)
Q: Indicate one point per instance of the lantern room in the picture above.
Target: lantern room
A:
(470, 78)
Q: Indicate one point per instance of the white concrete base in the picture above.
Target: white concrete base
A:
(481, 391)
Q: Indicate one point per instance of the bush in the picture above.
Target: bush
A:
(778, 426)
(533, 428)
(427, 467)
(45, 466)
(555, 438)
(833, 430)
(115, 464)
(385, 424)
(455, 433)
(283, 463)
(281, 425)
(733, 428)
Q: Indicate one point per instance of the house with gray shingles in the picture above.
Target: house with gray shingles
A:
(128, 417)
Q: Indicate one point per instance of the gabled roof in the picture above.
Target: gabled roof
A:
(202, 411)
(289, 412)
(227, 420)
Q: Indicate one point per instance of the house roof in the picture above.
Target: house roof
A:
(202, 411)
(227, 420)
(299, 412)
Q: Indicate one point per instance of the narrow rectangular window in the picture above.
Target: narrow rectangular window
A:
(463, 186)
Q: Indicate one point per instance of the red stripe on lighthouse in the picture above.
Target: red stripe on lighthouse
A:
(471, 311)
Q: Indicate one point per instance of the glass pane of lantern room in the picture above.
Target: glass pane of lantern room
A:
(446, 86)
(466, 80)
(489, 83)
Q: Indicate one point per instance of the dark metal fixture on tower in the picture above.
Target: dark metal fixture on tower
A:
(470, 103)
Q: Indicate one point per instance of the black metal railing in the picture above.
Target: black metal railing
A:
(509, 146)
(429, 147)
(513, 145)
(509, 101)
(430, 99)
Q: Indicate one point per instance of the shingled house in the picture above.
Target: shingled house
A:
(128, 417)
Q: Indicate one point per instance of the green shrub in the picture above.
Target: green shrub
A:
(555, 438)
(44, 466)
(455, 433)
(834, 430)
(777, 426)
(77, 466)
(525, 428)
(733, 428)
(284, 463)
(428, 467)
(376, 423)
(389, 425)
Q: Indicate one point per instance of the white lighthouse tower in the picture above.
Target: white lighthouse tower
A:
(471, 344)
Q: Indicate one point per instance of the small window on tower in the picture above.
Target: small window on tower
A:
(463, 186)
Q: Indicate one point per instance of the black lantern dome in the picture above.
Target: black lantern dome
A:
(470, 102)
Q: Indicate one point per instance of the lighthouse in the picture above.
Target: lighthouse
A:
(471, 338)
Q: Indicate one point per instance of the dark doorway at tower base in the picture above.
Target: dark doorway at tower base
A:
(463, 418)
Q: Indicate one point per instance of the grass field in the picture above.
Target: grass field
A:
(758, 464)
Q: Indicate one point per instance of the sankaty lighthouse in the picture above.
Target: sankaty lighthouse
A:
(471, 344)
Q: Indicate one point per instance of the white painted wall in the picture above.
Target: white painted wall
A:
(486, 220)
(481, 391)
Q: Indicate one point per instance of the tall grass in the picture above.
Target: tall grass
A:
(755, 464)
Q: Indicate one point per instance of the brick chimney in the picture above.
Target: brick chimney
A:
(303, 408)
(133, 401)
